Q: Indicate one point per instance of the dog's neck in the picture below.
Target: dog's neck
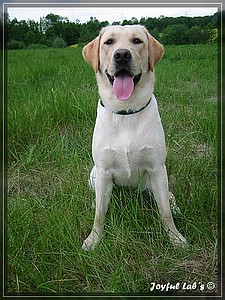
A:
(129, 111)
(137, 102)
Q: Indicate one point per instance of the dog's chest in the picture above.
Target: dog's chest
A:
(125, 150)
(129, 162)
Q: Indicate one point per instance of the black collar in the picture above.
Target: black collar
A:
(129, 111)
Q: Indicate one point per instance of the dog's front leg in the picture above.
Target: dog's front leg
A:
(159, 186)
(103, 189)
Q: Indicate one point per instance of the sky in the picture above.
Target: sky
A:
(109, 14)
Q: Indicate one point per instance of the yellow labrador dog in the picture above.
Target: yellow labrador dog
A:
(128, 142)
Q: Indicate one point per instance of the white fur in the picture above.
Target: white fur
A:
(127, 148)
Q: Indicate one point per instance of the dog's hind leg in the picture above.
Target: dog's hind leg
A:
(158, 183)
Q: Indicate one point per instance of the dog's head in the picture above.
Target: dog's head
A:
(123, 55)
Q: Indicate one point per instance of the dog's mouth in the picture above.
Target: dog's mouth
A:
(123, 84)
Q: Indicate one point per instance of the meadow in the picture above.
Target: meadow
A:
(51, 108)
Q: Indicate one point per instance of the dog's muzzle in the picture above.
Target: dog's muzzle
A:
(123, 81)
(122, 57)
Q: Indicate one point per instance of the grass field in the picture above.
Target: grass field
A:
(52, 99)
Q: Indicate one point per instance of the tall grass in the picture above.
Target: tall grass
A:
(52, 99)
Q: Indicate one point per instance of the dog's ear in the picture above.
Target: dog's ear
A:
(90, 53)
(155, 50)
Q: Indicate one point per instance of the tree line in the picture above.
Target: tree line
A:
(56, 31)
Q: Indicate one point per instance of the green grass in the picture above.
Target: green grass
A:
(52, 99)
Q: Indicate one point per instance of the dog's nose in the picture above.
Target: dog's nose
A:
(122, 55)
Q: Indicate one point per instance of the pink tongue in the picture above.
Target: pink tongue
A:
(123, 86)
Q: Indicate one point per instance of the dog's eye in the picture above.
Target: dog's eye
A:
(137, 41)
(109, 42)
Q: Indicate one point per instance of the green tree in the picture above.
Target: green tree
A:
(196, 35)
(134, 21)
(71, 32)
(16, 30)
(126, 22)
(15, 45)
(58, 43)
(149, 23)
(91, 29)
(209, 33)
(52, 25)
(155, 33)
(175, 34)
(116, 23)
(180, 30)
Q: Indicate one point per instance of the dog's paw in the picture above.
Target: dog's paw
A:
(91, 242)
